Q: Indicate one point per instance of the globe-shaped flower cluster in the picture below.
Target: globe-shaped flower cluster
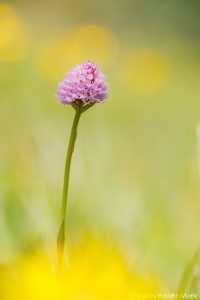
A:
(85, 82)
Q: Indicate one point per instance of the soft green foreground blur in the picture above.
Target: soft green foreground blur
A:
(135, 170)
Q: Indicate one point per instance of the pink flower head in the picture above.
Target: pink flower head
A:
(84, 82)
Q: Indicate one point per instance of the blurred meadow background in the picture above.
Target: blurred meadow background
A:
(135, 170)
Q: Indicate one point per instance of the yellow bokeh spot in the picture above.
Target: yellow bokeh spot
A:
(97, 43)
(144, 71)
(89, 42)
(95, 272)
(6, 9)
(34, 280)
(13, 35)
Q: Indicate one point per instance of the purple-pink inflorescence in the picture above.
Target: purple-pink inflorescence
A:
(84, 82)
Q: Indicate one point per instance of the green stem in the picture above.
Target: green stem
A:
(61, 233)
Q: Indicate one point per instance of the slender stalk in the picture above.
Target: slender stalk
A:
(61, 233)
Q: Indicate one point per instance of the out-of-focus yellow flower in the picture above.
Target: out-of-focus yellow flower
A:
(13, 35)
(144, 71)
(95, 273)
(32, 279)
(88, 42)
